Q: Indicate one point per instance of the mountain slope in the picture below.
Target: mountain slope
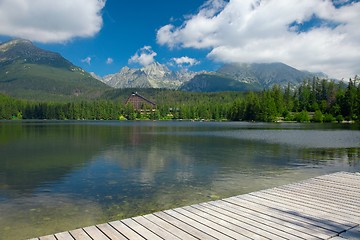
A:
(33, 73)
(265, 74)
(248, 77)
(154, 75)
(214, 82)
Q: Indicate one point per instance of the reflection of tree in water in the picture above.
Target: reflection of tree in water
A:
(339, 156)
(44, 153)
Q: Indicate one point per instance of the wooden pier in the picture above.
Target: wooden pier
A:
(325, 207)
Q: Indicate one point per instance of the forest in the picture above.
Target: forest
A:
(314, 100)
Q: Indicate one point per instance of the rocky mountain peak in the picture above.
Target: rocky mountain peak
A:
(156, 69)
(154, 75)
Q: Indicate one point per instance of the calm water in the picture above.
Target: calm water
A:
(57, 176)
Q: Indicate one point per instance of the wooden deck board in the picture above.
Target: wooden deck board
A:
(307, 224)
(64, 236)
(80, 234)
(95, 233)
(322, 194)
(323, 188)
(216, 229)
(143, 231)
(183, 225)
(125, 230)
(155, 228)
(260, 227)
(329, 204)
(310, 204)
(298, 211)
(173, 229)
(252, 229)
(324, 207)
(227, 228)
(341, 205)
(110, 232)
(287, 226)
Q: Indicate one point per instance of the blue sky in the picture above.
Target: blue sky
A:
(104, 36)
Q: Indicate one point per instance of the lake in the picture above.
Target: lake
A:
(61, 175)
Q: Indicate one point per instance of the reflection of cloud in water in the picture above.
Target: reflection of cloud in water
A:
(44, 214)
(184, 176)
(151, 160)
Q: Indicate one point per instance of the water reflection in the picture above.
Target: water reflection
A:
(63, 175)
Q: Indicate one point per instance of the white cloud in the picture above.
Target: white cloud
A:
(274, 31)
(86, 60)
(109, 60)
(50, 21)
(144, 56)
(185, 61)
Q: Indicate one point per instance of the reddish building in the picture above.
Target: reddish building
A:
(139, 102)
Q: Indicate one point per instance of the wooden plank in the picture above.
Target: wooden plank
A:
(143, 231)
(307, 208)
(155, 228)
(306, 222)
(321, 193)
(169, 227)
(217, 230)
(110, 232)
(340, 184)
(334, 186)
(262, 224)
(227, 222)
(343, 179)
(301, 197)
(250, 230)
(303, 208)
(63, 236)
(184, 226)
(322, 185)
(95, 233)
(329, 190)
(80, 234)
(235, 231)
(298, 211)
(311, 203)
(293, 227)
(284, 230)
(344, 175)
(329, 201)
(125, 230)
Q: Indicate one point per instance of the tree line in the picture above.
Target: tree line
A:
(314, 100)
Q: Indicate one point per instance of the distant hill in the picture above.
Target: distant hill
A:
(29, 72)
(248, 77)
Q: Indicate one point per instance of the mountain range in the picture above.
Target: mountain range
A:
(155, 75)
(27, 71)
(229, 77)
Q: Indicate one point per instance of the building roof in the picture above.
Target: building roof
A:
(136, 98)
